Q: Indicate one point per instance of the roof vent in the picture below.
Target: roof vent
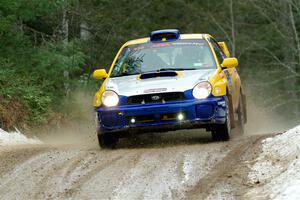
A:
(164, 35)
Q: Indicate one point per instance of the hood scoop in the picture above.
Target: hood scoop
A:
(158, 74)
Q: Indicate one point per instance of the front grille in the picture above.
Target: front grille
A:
(153, 117)
(156, 98)
(141, 119)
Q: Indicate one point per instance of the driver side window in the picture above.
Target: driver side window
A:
(219, 53)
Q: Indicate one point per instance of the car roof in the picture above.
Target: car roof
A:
(182, 36)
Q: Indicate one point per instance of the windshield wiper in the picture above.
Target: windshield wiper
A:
(175, 69)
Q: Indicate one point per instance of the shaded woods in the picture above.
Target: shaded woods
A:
(49, 48)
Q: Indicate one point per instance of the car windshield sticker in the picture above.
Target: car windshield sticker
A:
(159, 45)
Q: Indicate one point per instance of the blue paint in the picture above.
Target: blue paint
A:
(208, 110)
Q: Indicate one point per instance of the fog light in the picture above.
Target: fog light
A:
(132, 120)
(180, 116)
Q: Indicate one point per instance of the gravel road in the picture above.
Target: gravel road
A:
(170, 166)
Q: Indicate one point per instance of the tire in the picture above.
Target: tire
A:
(222, 132)
(241, 115)
(107, 141)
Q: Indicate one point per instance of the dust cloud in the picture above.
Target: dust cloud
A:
(264, 121)
(77, 127)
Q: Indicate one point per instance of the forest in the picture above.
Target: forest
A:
(49, 49)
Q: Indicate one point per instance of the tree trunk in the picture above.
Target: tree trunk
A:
(65, 26)
(65, 35)
(232, 28)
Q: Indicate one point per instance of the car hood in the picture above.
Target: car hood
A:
(131, 85)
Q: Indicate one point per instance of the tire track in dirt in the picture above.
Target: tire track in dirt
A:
(153, 171)
(226, 169)
(32, 173)
(66, 179)
(164, 173)
(55, 175)
(82, 179)
(14, 156)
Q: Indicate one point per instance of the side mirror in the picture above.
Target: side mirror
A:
(229, 63)
(100, 74)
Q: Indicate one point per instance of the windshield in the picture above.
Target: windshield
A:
(152, 57)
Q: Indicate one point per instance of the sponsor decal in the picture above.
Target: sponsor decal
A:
(160, 45)
(156, 90)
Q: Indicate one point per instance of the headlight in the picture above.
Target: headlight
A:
(110, 98)
(202, 90)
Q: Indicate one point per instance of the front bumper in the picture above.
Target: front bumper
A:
(162, 116)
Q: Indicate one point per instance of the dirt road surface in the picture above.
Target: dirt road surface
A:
(171, 166)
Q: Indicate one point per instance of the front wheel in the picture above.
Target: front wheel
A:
(222, 132)
(107, 141)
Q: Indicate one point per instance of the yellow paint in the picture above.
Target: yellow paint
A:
(97, 99)
(224, 48)
(138, 77)
(218, 80)
(100, 74)
(179, 73)
(219, 84)
(213, 52)
(230, 63)
(182, 36)
(137, 41)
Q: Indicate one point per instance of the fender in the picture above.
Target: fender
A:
(221, 88)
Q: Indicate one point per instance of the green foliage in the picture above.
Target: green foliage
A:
(36, 70)
(42, 60)
(52, 62)
(43, 83)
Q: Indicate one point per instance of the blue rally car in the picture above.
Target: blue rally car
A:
(169, 81)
